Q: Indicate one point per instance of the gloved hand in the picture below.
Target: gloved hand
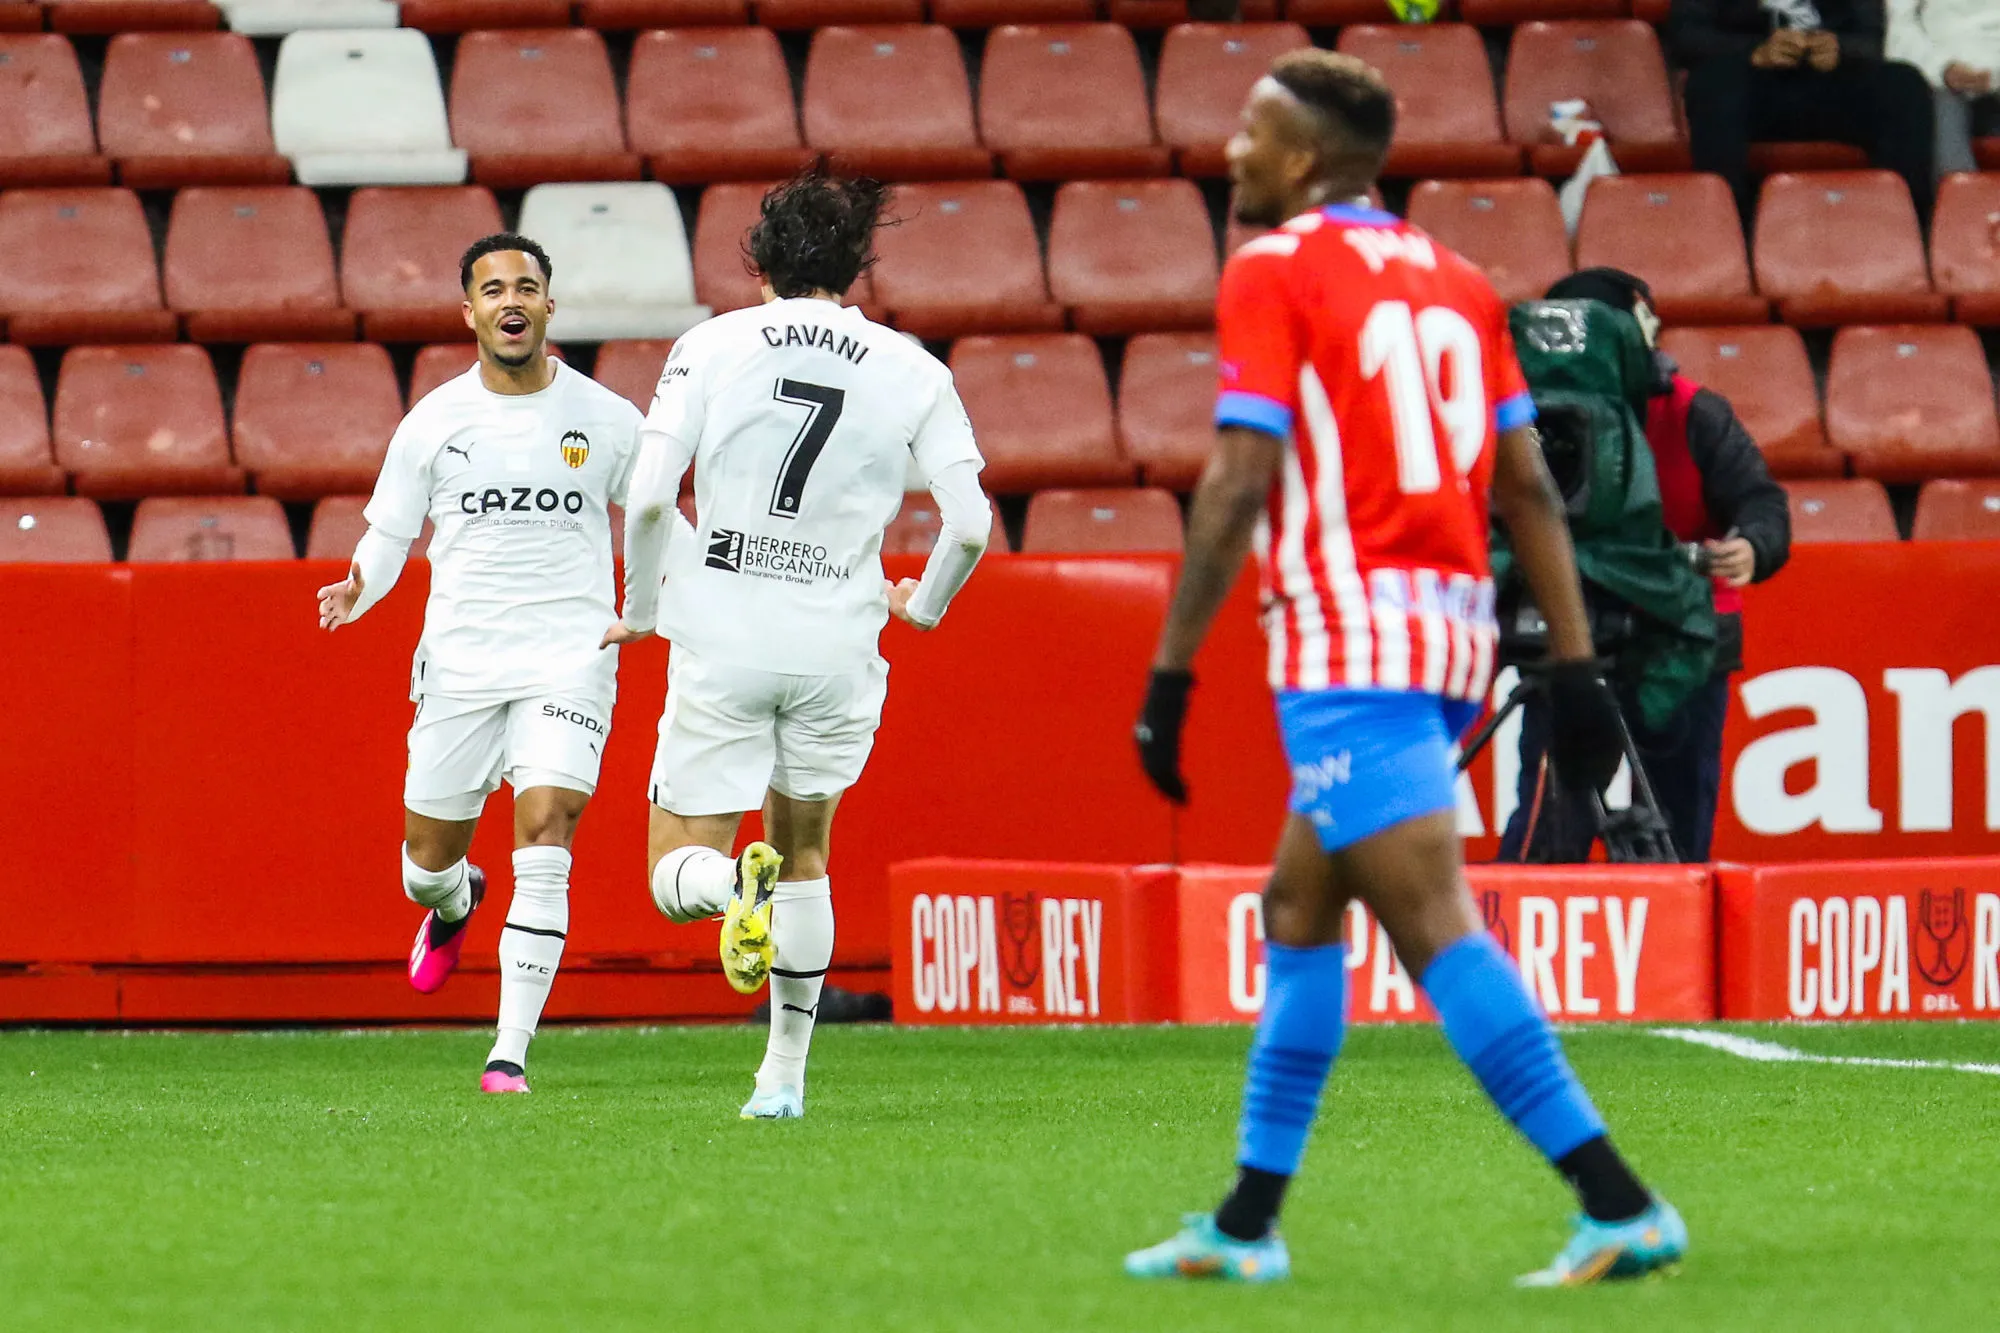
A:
(1159, 731)
(1585, 742)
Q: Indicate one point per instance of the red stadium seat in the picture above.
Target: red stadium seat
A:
(80, 267)
(27, 465)
(442, 361)
(1041, 407)
(187, 109)
(315, 419)
(1846, 510)
(794, 14)
(1681, 234)
(1912, 402)
(254, 263)
(538, 105)
(993, 13)
(1340, 13)
(1957, 511)
(339, 520)
(713, 104)
(722, 277)
(642, 15)
(227, 527)
(399, 258)
(631, 368)
(892, 102)
(443, 16)
(54, 529)
(107, 16)
(1512, 229)
(1133, 256)
(1652, 11)
(1173, 13)
(1617, 67)
(963, 260)
(1843, 248)
(1063, 101)
(1166, 406)
(1987, 153)
(20, 16)
(45, 134)
(1447, 117)
(1768, 159)
(1109, 521)
(1965, 246)
(145, 420)
(915, 529)
(1206, 70)
(1763, 372)
(1507, 13)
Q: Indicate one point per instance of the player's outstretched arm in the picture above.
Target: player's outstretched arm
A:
(377, 564)
(965, 524)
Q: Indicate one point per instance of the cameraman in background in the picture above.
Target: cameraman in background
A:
(1718, 499)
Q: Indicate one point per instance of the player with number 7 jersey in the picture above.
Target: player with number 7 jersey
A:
(1387, 358)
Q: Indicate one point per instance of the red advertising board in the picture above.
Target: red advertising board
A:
(1861, 939)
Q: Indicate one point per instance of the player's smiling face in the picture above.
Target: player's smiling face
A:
(1271, 160)
(508, 306)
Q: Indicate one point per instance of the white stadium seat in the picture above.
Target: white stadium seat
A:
(276, 18)
(363, 108)
(622, 266)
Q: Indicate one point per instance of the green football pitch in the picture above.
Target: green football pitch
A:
(955, 1180)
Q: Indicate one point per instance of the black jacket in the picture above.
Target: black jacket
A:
(1699, 30)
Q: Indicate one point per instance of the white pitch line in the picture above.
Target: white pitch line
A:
(1770, 1052)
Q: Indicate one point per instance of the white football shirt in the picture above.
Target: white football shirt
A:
(516, 488)
(801, 418)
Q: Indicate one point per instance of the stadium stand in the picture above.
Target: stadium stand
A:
(142, 420)
(277, 18)
(399, 259)
(963, 259)
(108, 16)
(1512, 229)
(892, 101)
(621, 257)
(914, 530)
(338, 522)
(1949, 510)
(1965, 247)
(363, 108)
(228, 527)
(1843, 247)
(709, 104)
(1506, 13)
(1679, 233)
(1617, 67)
(1910, 401)
(994, 13)
(20, 16)
(251, 264)
(538, 105)
(1765, 375)
(637, 15)
(187, 109)
(1041, 407)
(1082, 522)
(1447, 117)
(27, 465)
(1066, 101)
(1133, 256)
(45, 133)
(1338, 13)
(314, 419)
(1844, 510)
(80, 268)
(1205, 72)
(1166, 406)
(54, 529)
(722, 277)
(452, 16)
(631, 368)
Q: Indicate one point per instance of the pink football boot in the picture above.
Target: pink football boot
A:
(439, 943)
(503, 1077)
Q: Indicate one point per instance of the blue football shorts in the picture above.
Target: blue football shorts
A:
(1364, 760)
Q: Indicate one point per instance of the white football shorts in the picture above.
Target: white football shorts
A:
(461, 749)
(729, 733)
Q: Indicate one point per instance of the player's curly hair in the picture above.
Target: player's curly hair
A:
(496, 243)
(1350, 93)
(817, 232)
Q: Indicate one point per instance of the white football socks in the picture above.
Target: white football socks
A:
(693, 883)
(531, 947)
(802, 928)
(447, 892)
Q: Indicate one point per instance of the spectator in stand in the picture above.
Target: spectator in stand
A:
(1784, 70)
(1956, 43)
(1719, 499)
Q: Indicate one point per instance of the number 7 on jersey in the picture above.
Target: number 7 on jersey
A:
(823, 405)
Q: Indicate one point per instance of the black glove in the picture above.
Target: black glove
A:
(1585, 741)
(1159, 731)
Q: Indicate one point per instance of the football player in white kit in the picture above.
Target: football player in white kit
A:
(514, 462)
(801, 418)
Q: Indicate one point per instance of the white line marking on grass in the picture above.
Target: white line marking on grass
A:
(1770, 1052)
